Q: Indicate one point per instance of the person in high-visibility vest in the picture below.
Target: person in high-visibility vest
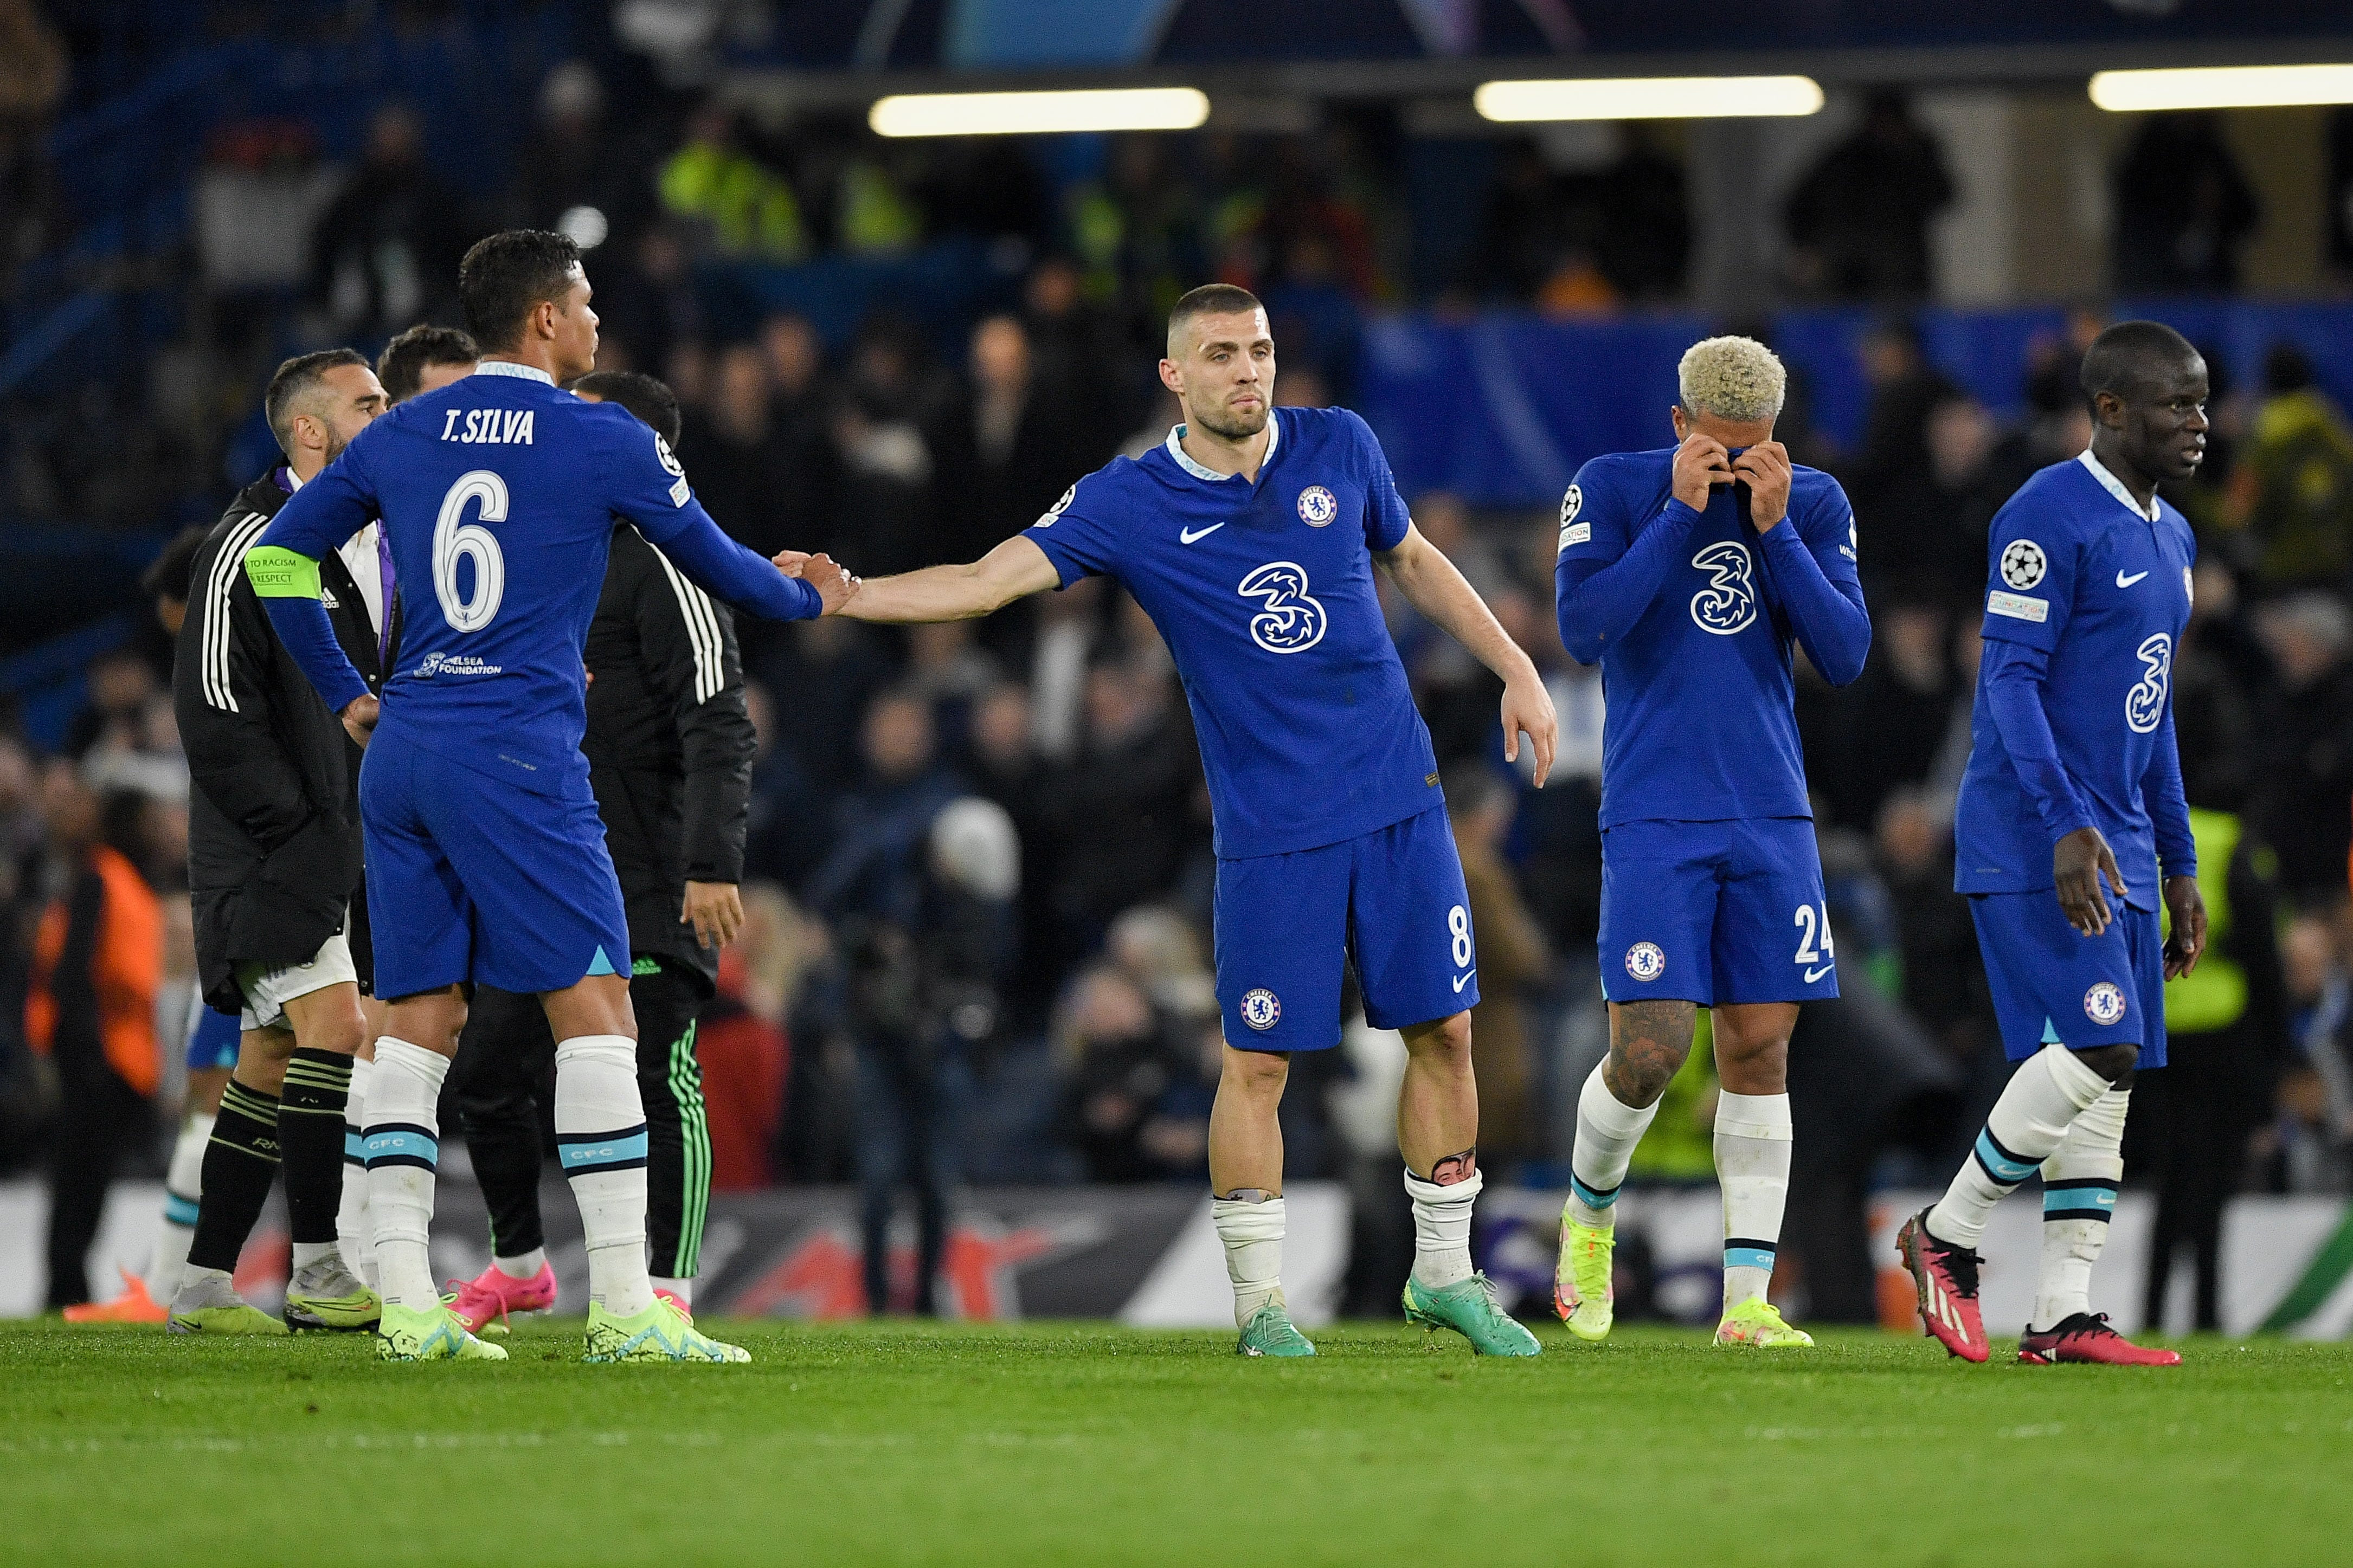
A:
(2226, 1021)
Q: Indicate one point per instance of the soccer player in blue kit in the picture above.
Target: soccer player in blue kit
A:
(1688, 573)
(1250, 537)
(2074, 781)
(486, 855)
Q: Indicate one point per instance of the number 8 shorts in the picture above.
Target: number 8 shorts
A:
(1714, 912)
(1392, 900)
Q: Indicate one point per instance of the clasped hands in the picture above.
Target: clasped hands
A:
(834, 583)
(1703, 461)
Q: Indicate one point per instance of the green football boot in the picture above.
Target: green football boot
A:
(1270, 1331)
(1469, 1307)
(326, 1295)
(660, 1332)
(1581, 1290)
(1757, 1324)
(428, 1333)
(207, 1303)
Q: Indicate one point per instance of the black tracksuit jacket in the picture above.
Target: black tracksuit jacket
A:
(273, 813)
(670, 745)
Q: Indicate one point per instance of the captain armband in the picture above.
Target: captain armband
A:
(278, 573)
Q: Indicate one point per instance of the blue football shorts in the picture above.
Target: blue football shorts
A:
(1715, 912)
(213, 1036)
(472, 878)
(1391, 900)
(2054, 986)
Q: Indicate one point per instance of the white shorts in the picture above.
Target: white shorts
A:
(267, 991)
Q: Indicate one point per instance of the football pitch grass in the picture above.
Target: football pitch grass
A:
(1084, 1443)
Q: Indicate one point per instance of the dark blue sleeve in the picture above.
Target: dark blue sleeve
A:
(1816, 573)
(1074, 534)
(315, 520)
(1601, 582)
(1386, 517)
(2014, 673)
(646, 485)
(2031, 561)
(727, 570)
(2168, 807)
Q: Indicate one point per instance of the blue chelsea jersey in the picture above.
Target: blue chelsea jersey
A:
(1264, 592)
(499, 494)
(1700, 720)
(2078, 572)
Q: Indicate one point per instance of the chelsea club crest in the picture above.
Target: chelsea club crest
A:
(1317, 507)
(1261, 1009)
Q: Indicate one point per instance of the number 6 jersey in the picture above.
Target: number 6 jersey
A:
(2086, 598)
(1264, 592)
(499, 494)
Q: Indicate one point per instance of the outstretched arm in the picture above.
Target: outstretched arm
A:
(1014, 569)
(1433, 586)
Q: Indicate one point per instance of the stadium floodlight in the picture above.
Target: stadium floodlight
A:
(1649, 98)
(2223, 87)
(1040, 113)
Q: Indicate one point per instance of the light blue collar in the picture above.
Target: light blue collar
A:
(2116, 487)
(508, 367)
(1185, 461)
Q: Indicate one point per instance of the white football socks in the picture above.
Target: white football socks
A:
(600, 1137)
(2079, 1194)
(184, 1187)
(1752, 1165)
(403, 1149)
(352, 1237)
(523, 1265)
(1441, 1228)
(1607, 1132)
(2044, 1095)
(1251, 1230)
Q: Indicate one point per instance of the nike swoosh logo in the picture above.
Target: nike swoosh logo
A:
(1464, 979)
(1186, 535)
(1814, 975)
(2124, 582)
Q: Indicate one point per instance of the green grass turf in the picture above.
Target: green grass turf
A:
(1052, 1443)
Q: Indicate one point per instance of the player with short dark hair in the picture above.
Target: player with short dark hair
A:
(273, 868)
(1692, 575)
(2072, 796)
(1251, 538)
(487, 858)
(425, 359)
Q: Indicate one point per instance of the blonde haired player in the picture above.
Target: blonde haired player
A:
(1690, 574)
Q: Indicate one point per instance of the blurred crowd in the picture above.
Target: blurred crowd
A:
(922, 1000)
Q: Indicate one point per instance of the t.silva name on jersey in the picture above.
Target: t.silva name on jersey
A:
(488, 426)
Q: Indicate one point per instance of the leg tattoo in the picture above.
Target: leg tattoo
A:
(1455, 1168)
(1648, 1044)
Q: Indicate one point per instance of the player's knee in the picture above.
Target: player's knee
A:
(2114, 1063)
(1443, 1040)
(1257, 1073)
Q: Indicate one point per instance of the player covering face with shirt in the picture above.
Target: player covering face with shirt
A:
(1251, 538)
(1689, 574)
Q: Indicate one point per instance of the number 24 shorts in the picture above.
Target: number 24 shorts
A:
(1715, 912)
